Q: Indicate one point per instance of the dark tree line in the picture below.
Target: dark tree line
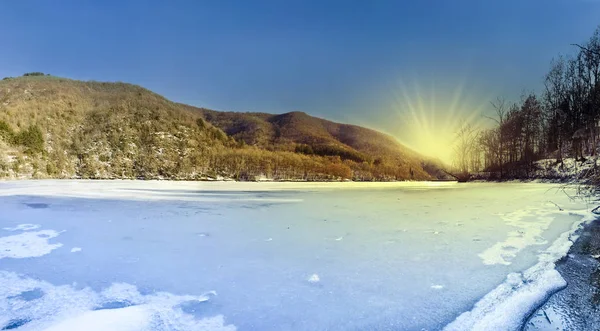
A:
(562, 121)
(328, 150)
(36, 73)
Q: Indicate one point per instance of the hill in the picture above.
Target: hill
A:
(302, 133)
(54, 127)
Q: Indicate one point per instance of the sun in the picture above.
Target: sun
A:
(430, 118)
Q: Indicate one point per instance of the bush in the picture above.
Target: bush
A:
(36, 73)
(201, 123)
(217, 134)
(328, 150)
(304, 149)
(32, 138)
(16, 165)
(6, 131)
(51, 169)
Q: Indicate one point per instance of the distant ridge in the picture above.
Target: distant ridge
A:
(285, 131)
(53, 127)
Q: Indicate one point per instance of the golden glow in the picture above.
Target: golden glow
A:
(430, 119)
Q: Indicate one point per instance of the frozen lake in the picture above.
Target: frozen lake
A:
(120, 255)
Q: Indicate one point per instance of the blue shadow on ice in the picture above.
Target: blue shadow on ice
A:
(29, 295)
(114, 305)
(37, 205)
(14, 324)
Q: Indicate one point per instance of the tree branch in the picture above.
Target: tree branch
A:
(590, 51)
(491, 118)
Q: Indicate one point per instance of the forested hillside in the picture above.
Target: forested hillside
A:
(301, 133)
(54, 127)
(561, 122)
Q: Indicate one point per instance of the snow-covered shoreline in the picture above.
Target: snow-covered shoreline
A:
(576, 306)
(509, 305)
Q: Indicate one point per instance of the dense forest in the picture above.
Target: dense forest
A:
(562, 121)
(53, 127)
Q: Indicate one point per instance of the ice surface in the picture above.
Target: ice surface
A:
(281, 256)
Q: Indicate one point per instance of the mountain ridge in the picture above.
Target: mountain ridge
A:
(302, 128)
(94, 129)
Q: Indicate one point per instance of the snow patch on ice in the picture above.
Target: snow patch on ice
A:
(120, 307)
(123, 319)
(24, 227)
(437, 287)
(530, 224)
(75, 249)
(28, 244)
(509, 304)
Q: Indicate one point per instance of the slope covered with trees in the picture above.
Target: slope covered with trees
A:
(53, 127)
(298, 132)
(562, 121)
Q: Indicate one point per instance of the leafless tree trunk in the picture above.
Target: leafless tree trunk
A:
(464, 148)
(500, 108)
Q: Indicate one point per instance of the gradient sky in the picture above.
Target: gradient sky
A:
(397, 66)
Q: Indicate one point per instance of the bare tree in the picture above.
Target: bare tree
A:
(534, 127)
(500, 108)
(556, 106)
(587, 50)
(464, 148)
(531, 113)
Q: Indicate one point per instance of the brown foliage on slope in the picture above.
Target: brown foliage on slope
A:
(119, 130)
(297, 131)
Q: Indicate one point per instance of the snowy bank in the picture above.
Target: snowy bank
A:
(576, 306)
(508, 306)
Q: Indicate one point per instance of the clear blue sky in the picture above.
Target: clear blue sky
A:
(351, 61)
